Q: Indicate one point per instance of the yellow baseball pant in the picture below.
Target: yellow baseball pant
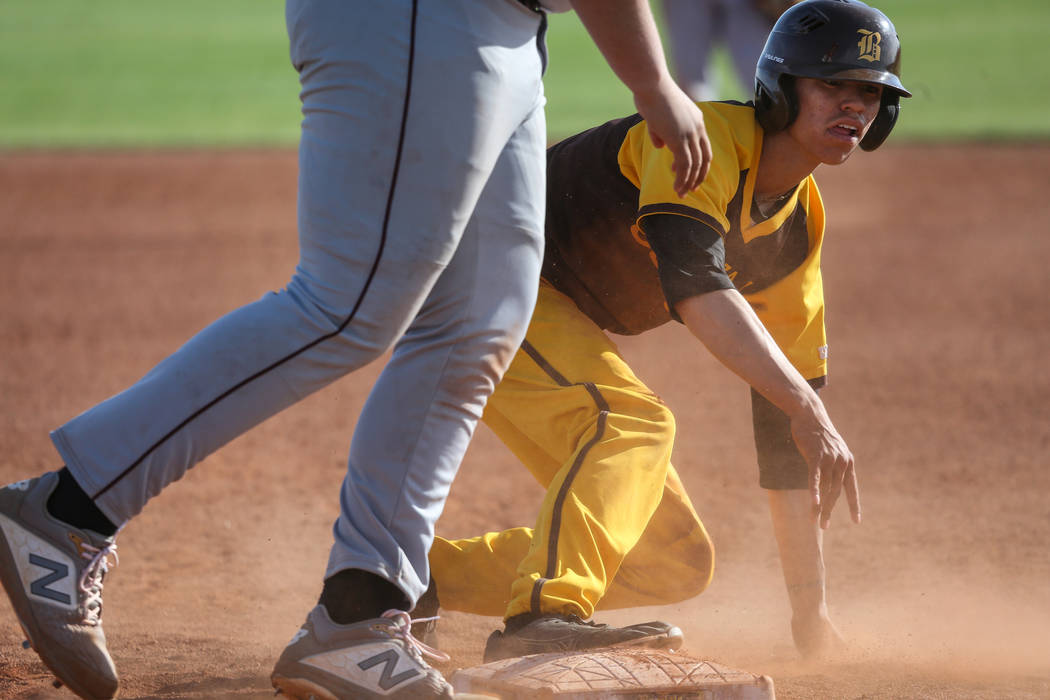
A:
(616, 528)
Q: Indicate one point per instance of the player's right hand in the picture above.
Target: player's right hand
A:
(831, 466)
(676, 122)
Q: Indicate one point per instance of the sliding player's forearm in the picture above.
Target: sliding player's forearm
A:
(725, 323)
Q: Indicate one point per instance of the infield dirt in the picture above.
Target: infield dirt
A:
(935, 274)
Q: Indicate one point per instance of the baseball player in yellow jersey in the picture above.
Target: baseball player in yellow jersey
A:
(738, 262)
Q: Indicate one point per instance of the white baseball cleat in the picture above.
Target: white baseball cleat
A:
(53, 573)
(376, 658)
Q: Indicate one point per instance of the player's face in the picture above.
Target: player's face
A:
(833, 116)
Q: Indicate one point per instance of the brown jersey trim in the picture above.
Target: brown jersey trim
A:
(682, 210)
(563, 493)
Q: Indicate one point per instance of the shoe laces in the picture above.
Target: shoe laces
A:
(403, 631)
(91, 578)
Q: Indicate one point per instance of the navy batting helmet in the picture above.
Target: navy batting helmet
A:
(829, 40)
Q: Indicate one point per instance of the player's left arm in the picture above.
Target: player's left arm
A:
(726, 324)
(719, 316)
(692, 270)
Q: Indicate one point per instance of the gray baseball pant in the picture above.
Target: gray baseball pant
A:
(420, 216)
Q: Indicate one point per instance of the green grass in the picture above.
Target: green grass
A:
(977, 71)
(130, 73)
(207, 72)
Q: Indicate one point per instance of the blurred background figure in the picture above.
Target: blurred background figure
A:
(696, 28)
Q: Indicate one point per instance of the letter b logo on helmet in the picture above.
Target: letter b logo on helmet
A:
(829, 40)
(870, 45)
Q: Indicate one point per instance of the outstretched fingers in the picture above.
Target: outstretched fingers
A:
(814, 488)
(852, 492)
(838, 476)
(831, 467)
(830, 488)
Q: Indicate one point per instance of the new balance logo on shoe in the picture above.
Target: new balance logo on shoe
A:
(53, 577)
(389, 659)
(46, 572)
(377, 658)
(389, 668)
(58, 571)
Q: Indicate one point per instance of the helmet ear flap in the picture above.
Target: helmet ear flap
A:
(881, 127)
(776, 107)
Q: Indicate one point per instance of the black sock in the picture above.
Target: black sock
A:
(353, 595)
(71, 505)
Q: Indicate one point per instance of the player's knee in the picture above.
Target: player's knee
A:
(336, 315)
(657, 423)
(663, 422)
(685, 567)
(691, 568)
(652, 414)
(701, 561)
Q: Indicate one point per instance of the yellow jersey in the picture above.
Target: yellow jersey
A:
(602, 183)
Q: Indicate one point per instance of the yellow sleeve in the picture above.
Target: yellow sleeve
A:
(649, 169)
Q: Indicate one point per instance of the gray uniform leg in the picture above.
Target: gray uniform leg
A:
(420, 210)
(746, 32)
(693, 29)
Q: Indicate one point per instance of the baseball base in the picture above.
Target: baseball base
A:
(611, 674)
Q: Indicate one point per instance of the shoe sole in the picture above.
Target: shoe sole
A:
(12, 583)
(300, 689)
(672, 640)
